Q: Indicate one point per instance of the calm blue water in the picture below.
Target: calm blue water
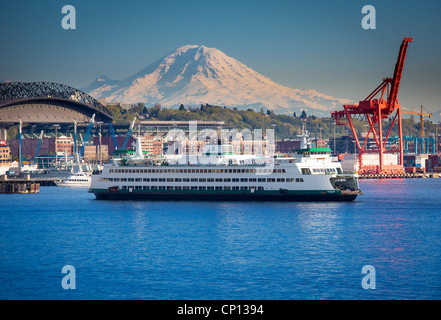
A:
(196, 250)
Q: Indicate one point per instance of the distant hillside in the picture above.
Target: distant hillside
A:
(287, 127)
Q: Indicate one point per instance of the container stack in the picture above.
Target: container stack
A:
(433, 163)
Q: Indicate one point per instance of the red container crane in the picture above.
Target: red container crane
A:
(381, 104)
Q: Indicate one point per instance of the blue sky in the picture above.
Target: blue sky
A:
(300, 44)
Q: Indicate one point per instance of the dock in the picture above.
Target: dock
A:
(399, 175)
(19, 186)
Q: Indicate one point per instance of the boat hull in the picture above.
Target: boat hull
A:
(225, 196)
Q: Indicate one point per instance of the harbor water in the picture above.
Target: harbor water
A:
(223, 250)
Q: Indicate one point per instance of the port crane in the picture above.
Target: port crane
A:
(380, 104)
(421, 114)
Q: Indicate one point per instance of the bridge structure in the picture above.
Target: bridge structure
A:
(47, 102)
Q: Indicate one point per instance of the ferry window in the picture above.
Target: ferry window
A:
(259, 188)
(218, 180)
(154, 179)
(299, 179)
(130, 179)
(230, 170)
(186, 180)
(116, 179)
(161, 179)
(194, 179)
(210, 188)
(261, 180)
(149, 170)
(178, 180)
(210, 180)
(138, 179)
(169, 188)
(283, 171)
(227, 180)
(270, 180)
(306, 171)
(123, 179)
(161, 188)
(227, 188)
(146, 179)
(193, 171)
(145, 187)
(194, 188)
(186, 188)
(234, 188)
(280, 180)
(169, 179)
(124, 187)
(153, 188)
(110, 179)
(339, 170)
(235, 180)
(202, 188)
(252, 180)
(218, 188)
(289, 179)
(137, 170)
(243, 188)
(244, 180)
(202, 180)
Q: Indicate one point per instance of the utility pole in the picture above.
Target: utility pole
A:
(20, 146)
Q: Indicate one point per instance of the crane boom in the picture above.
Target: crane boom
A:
(396, 80)
(112, 131)
(38, 146)
(86, 136)
(129, 133)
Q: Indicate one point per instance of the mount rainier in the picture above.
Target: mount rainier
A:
(197, 75)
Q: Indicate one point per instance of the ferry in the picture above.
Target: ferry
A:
(309, 174)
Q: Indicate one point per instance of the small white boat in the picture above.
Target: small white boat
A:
(76, 180)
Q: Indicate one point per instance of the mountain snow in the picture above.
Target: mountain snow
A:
(194, 75)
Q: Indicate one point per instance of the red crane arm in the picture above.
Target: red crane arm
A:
(392, 99)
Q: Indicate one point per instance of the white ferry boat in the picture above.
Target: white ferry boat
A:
(80, 179)
(308, 175)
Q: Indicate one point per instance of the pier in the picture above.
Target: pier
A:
(19, 186)
(399, 175)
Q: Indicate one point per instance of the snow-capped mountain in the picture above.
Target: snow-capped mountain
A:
(193, 74)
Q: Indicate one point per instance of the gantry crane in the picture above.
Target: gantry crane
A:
(377, 109)
(421, 114)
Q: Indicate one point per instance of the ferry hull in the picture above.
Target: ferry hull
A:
(221, 196)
